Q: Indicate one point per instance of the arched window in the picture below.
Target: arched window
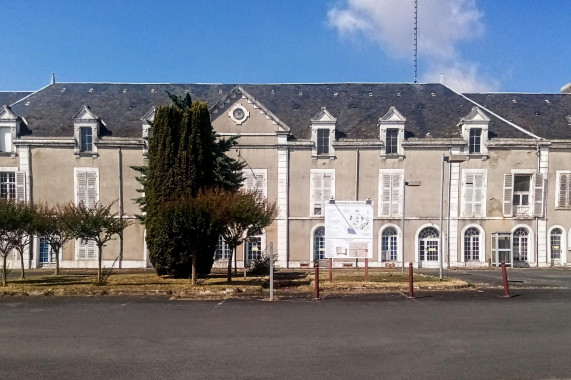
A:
(222, 249)
(555, 243)
(389, 244)
(428, 244)
(520, 244)
(319, 243)
(472, 244)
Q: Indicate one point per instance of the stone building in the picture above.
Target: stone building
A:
(476, 178)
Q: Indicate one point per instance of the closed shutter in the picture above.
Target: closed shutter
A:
(385, 194)
(255, 180)
(260, 184)
(479, 194)
(86, 251)
(564, 198)
(323, 191)
(468, 194)
(539, 195)
(508, 195)
(87, 192)
(21, 186)
(396, 184)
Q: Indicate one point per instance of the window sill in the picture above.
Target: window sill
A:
(86, 154)
(395, 156)
(323, 157)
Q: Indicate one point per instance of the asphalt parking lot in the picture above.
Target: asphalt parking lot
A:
(542, 278)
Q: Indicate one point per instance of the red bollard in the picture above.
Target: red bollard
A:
(316, 266)
(330, 270)
(366, 270)
(410, 282)
(505, 277)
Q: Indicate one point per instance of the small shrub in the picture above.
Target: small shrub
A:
(106, 273)
(260, 266)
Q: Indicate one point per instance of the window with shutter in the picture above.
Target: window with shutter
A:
(391, 183)
(86, 250)
(5, 140)
(474, 185)
(256, 180)
(322, 189)
(86, 186)
(539, 195)
(508, 194)
(563, 189)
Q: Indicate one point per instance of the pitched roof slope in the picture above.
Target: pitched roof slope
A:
(429, 108)
(9, 97)
(541, 114)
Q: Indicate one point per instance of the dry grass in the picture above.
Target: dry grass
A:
(146, 282)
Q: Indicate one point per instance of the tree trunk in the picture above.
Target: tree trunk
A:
(193, 278)
(229, 278)
(23, 274)
(4, 270)
(235, 263)
(99, 266)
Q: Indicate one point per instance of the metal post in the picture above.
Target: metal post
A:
(440, 253)
(410, 282)
(316, 267)
(505, 278)
(271, 271)
(366, 270)
(330, 269)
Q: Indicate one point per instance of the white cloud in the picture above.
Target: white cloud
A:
(462, 77)
(442, 26)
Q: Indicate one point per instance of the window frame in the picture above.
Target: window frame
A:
(471, 195)
(392, 244)
(475, 141)
(389, 207)
(563, 189)
(323, 143)
(86, 140)
(318, 243)
(222, 248)
(259, 177)
(392, 141)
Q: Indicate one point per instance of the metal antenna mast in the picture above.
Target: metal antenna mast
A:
(415, 38)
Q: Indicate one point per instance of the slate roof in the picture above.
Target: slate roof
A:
(428, 108)
(542, 114)
(9, 97)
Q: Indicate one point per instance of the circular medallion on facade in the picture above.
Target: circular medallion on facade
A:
(238, 113)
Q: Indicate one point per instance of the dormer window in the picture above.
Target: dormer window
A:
(391, 133)
(475, 132)
(86, 132)
(475, 140)
(322, 141)
(86, 139)
(5, 139)
(323, 134)
(392, 141)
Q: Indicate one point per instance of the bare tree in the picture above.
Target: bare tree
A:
(97, 223)
(247, 214)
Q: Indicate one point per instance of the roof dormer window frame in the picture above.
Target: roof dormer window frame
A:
(86, 119)
(391, 134)
(147, 120)
(9, 130)
(323, 126)
(474, 129)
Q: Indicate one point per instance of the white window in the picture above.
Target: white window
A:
(87, 186)
(322, 188)
(222, 249)
(555, 243)
(475, 140)
(13, 185)
(256, 180)
(86, 250)
(389, 244)
(5, 140)
(323, 134)
(563, 196)
(392, 143)
(323, 141)
(524, 194)
(319, 243)
(520, 247)
(253, 248)
(472, 244)
(391, 187)
(474, 183)
(86, 139)
(428, 244)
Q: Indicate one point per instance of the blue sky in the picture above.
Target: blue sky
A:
(480, 45)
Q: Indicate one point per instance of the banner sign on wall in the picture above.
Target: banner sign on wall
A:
(348, 229)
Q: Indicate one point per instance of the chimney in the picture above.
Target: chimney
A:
(566, 89)
(53, 78)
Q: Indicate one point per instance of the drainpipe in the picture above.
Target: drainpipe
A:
(538, 154)
(287, 207)
(357, 175)
(120, 171)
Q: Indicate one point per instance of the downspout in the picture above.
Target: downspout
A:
(538, 154)
(120, 171)
(357, 175)
(287, 207)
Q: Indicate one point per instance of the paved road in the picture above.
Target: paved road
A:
(456, 335)
(518, 277)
